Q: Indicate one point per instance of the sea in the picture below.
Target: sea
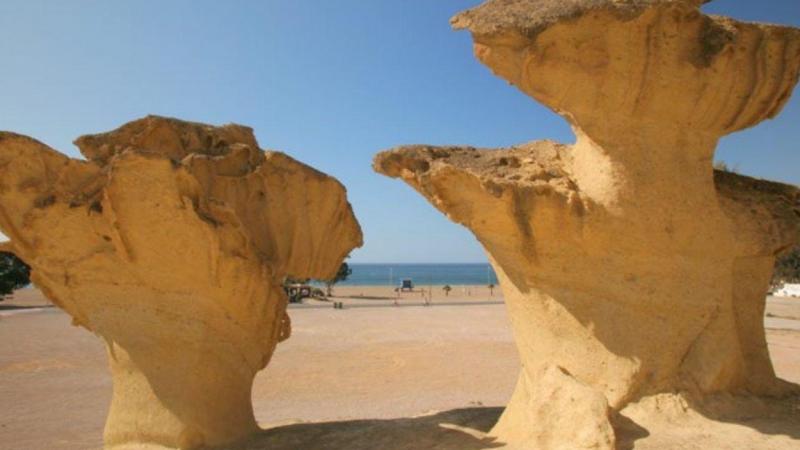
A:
(365, 274)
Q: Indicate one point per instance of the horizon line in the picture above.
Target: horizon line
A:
(401, 263)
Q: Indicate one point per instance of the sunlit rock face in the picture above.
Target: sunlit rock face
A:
(171, 243)
(629, 267)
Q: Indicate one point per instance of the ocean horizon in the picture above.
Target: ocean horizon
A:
(422, 274)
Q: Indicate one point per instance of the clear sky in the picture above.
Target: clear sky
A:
(329, 82)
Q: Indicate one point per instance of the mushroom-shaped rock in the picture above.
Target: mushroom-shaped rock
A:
(629, 267)
(171, 243)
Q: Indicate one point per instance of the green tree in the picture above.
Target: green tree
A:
(14, 274)
(787, 268)
(289, 280)
(724, 167)
(344, 272)
(447, 290)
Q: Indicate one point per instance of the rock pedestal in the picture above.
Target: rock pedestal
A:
(171, 243)
(629, 267)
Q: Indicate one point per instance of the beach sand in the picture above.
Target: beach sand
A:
(370, 376)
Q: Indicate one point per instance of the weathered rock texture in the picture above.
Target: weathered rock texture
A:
(629, 267)
(171, 243)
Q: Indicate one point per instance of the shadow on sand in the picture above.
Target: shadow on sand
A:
(768, 416)
(458, 429)
(467, 428)
(400, 304)
(719, 422)
(19, 307)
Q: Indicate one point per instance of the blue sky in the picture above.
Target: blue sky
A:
(329, 82)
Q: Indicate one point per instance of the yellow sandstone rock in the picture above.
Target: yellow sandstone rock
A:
(630, 268)
(171, 243)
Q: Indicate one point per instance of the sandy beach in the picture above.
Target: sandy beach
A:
(369, 376)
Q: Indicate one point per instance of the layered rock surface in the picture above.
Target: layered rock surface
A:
(629, 267)
(171, 243)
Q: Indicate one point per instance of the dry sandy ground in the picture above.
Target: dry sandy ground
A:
(371, 376)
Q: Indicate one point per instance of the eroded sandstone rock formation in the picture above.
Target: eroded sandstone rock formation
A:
(629, 267)
(171, 243)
